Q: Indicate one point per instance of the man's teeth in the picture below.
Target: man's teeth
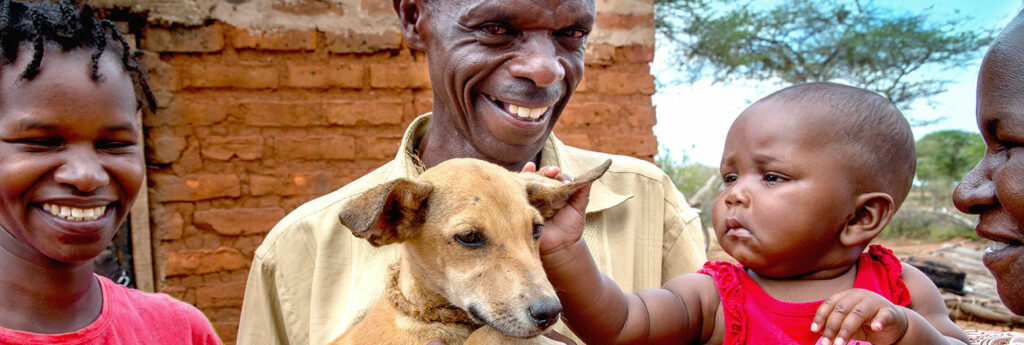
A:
(996, 246)
(526, 113)
(75, 213)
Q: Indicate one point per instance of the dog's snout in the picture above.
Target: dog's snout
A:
(545, 312)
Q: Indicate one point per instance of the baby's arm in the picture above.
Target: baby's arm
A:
(597, 310)
(926, 321)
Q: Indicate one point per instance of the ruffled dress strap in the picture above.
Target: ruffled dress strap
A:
(893, 268)
(727, 280)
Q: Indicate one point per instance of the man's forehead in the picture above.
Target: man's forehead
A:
(574, 10)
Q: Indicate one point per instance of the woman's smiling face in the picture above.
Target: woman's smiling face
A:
(70, 155)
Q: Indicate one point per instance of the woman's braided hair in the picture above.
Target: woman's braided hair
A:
(70, 27)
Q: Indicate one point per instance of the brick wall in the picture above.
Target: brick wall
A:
(260, 113)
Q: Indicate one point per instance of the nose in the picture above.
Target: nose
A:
(736, 195)
(545, 312)
(82, 170)
(538, 62)
(976, 192)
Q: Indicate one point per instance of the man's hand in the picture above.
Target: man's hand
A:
(566, 226)
(859, 313)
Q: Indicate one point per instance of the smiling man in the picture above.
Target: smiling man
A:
(502, 71)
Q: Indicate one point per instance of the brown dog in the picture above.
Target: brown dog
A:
(470, 256)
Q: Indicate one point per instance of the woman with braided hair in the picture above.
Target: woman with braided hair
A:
(70, 167)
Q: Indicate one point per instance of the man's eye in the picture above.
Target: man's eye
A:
(574, 33)
(495, 29)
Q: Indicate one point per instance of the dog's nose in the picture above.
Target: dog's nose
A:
(545, 312)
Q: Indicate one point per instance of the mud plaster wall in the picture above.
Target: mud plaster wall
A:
(268, 104)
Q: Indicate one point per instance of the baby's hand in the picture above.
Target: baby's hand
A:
(859, 312)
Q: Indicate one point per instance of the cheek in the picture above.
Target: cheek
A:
(1009, 182)
(129, 172)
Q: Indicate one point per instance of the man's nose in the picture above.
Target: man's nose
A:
(82, 170)
(976, 192)
(537, 60)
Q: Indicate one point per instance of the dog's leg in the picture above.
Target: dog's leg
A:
(488, 336)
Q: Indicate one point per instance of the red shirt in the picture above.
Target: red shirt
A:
(130, 317)
(754, 317)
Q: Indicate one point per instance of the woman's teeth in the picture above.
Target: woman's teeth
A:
(75, 214)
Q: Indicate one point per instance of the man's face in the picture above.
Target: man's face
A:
(503, 70)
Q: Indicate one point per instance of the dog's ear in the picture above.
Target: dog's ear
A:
(385, 213)
(550, 195)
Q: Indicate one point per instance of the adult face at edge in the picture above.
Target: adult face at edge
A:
(502, 71)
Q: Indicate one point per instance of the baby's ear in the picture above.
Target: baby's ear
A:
(874, 211)
(383, 214)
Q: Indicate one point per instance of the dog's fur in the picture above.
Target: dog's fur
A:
(470, 264)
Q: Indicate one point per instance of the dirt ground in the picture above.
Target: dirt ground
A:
(979, 279)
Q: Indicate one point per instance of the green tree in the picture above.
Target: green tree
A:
(945, 157)
(799, 41)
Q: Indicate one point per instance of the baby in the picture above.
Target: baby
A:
(811, 174)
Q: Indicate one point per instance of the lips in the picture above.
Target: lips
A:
(734, 228)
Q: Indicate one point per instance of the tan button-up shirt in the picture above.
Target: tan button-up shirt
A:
(311, 278)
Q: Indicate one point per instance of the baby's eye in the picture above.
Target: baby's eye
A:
(773, 177)
(729, 178)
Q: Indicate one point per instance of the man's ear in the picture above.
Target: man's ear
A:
(874, 211)
(550, 195)
(409, 18)
(387, 213)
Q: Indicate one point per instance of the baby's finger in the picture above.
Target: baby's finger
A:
(857, 318)
(551, 171)
(529, 167)
(885, 318)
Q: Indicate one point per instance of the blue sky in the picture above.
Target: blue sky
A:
(695, 118)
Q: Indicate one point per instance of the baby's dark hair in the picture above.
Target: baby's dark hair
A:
(70, 27)
(869, 129)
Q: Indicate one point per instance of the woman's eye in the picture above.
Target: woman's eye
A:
(470, 239)
(114, 145)
(39, 144)
(536, 230)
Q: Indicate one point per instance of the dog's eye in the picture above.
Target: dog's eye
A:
(470, 239)
(536, 230)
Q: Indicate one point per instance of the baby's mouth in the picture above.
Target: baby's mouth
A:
(518, 111)
(75, 214)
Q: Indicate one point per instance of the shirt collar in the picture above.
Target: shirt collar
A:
(553, 153)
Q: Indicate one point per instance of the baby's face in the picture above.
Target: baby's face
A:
(995, 188)
(70, 156)
(785, 196)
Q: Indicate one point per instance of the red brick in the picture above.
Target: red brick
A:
(239, 221)
(277, 113)
(164, 149)
(592, 113)
(378, 148)
(377, 8)
(606, 20)
(309, 7)
(625, 83)
(223, 148)
(364, 113)
(600, 54)
(226, 330)
(194, 187)
(167, 225)
(300, 183)
(203, 261)
(204, 39)
(638, 53)
(400, 76)
(245, 38)
(234, 76)
(220, 295)
(160, 75)
(350, 42)
(184, 111)
(327, 76)
(325, 147)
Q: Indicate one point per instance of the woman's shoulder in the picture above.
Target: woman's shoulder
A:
(152, 309)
